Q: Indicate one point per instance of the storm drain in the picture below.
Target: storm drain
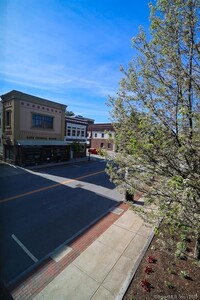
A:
(60, 253)
(117, 211)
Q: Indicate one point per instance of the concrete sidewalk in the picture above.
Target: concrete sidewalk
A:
(105, 269)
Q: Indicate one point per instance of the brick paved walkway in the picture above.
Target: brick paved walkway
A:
(46, 272)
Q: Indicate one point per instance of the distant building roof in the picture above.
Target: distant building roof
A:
(100, 127)
(79, 119)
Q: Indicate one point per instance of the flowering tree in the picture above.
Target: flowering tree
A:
(156, 118)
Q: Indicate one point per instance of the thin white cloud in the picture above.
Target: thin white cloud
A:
(58, 77)
(69, 52)
(78, 60)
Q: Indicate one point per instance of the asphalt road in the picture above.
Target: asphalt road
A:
(41, 210)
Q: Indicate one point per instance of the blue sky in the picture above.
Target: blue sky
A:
(68, 51)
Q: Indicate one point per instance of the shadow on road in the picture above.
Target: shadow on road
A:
(38, 215)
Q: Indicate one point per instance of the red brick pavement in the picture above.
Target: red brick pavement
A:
(45, 273)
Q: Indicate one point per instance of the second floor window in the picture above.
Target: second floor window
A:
(78, 132)
(73, 131)
(68, 130)
(8, 118)
(41, 121)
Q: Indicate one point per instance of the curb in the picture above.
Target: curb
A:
(130, 276)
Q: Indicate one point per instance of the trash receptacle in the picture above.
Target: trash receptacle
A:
(129, 197)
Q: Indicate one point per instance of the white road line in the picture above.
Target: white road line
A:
(24, 248)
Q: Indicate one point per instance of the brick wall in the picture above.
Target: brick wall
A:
(98, 143)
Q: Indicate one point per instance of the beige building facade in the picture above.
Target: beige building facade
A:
(33, 129)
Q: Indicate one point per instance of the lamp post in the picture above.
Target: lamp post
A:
(89, 148)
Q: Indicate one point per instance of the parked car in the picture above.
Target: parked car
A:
(92, 151)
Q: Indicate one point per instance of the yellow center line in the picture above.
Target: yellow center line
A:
(49, 187)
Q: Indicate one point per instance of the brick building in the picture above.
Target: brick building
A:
(100, 136)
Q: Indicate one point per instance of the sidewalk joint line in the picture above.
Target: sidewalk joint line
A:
(85, 272)
(117, 260)
(133, 231)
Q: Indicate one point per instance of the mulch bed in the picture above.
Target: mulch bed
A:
(162, 276)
